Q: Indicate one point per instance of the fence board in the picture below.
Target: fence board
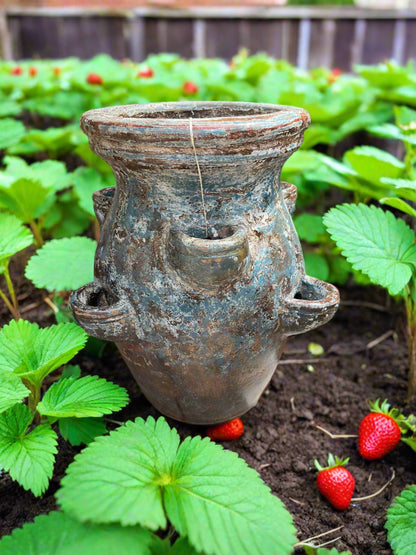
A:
(309, 36)
(378, 40)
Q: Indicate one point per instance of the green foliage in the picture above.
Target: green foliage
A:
(210, 495)
(58, 534)
(82, 397)
(14, 237)
(376, 243)
(27, 455)
(27, 441)
(33, 353)
(400, 523)
(11, 131)
(310, 550)
(63, 264)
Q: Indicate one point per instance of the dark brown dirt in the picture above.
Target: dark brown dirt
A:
(281, 438)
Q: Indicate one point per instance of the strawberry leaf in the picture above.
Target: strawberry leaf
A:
(209, 495)
(14, 237)
(11, 131)
(374, 242)
(372, 164)
(80, 431)
(63, 264)
(89, 396)
(86, 182)
(212, 487)
(58, 534)
(51, 174)
(27, 199)
(33, 353)
(12, 390)
(400, 524)
(28, 457)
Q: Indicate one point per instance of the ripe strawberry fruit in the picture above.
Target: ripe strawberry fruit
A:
(16, 70)
(233, 429)
(190, 87)
(379, 431)
(33, 71)
(146, 72)
(57, 71)
(94, 79)
(335, 482)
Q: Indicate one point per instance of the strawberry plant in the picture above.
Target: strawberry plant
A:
(227, 431)
(28, 355)
(14, 237)
(400, 522)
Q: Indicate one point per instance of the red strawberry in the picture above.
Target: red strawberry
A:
(190, 87)
(57, 71)
(379, 431)
(146, 72)
(335, 482)
(33, 71)
(94, 79)
(17, 70)
(233, 429)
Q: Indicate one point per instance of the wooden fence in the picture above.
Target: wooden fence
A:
(305, 36)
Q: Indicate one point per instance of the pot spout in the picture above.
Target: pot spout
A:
(102, 314)
(314, 304)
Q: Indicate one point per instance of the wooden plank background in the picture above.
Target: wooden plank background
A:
(306, 36)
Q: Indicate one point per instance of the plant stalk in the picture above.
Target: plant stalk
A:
(33, 400)
(11, 288)
(36, 233)
(15, 314)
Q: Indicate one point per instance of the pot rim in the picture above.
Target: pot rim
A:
(259, 115)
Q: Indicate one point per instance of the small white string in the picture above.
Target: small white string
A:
(200, 177)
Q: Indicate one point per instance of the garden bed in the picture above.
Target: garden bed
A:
(281, 438)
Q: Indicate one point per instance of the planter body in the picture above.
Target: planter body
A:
(201, 322)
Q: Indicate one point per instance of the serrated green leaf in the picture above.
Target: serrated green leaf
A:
(28, 457)
(72, 221)
(58, 534)
(127, 469)
(89, 396)
(14, 236)
(63, 264)
(33, 353)
(399, 204)
(11, 131)
(12, 390)
(27, 199)
(374, 242)
(400, 523)
(372, 164)
(222, 505)
(210, 495)
(51, 174)
(80, 431)
(86, 182)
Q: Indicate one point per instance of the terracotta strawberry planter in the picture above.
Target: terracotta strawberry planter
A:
(200, 319)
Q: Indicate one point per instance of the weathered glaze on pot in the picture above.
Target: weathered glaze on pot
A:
(201, 322)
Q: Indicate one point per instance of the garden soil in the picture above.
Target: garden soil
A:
(308, 398)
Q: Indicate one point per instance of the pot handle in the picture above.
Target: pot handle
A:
(290, 193)
(102, 200)
(314, 304)
(102, 314)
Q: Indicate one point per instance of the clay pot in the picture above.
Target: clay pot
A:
(199, 309)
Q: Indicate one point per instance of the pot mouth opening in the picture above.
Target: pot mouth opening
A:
(175, 113)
